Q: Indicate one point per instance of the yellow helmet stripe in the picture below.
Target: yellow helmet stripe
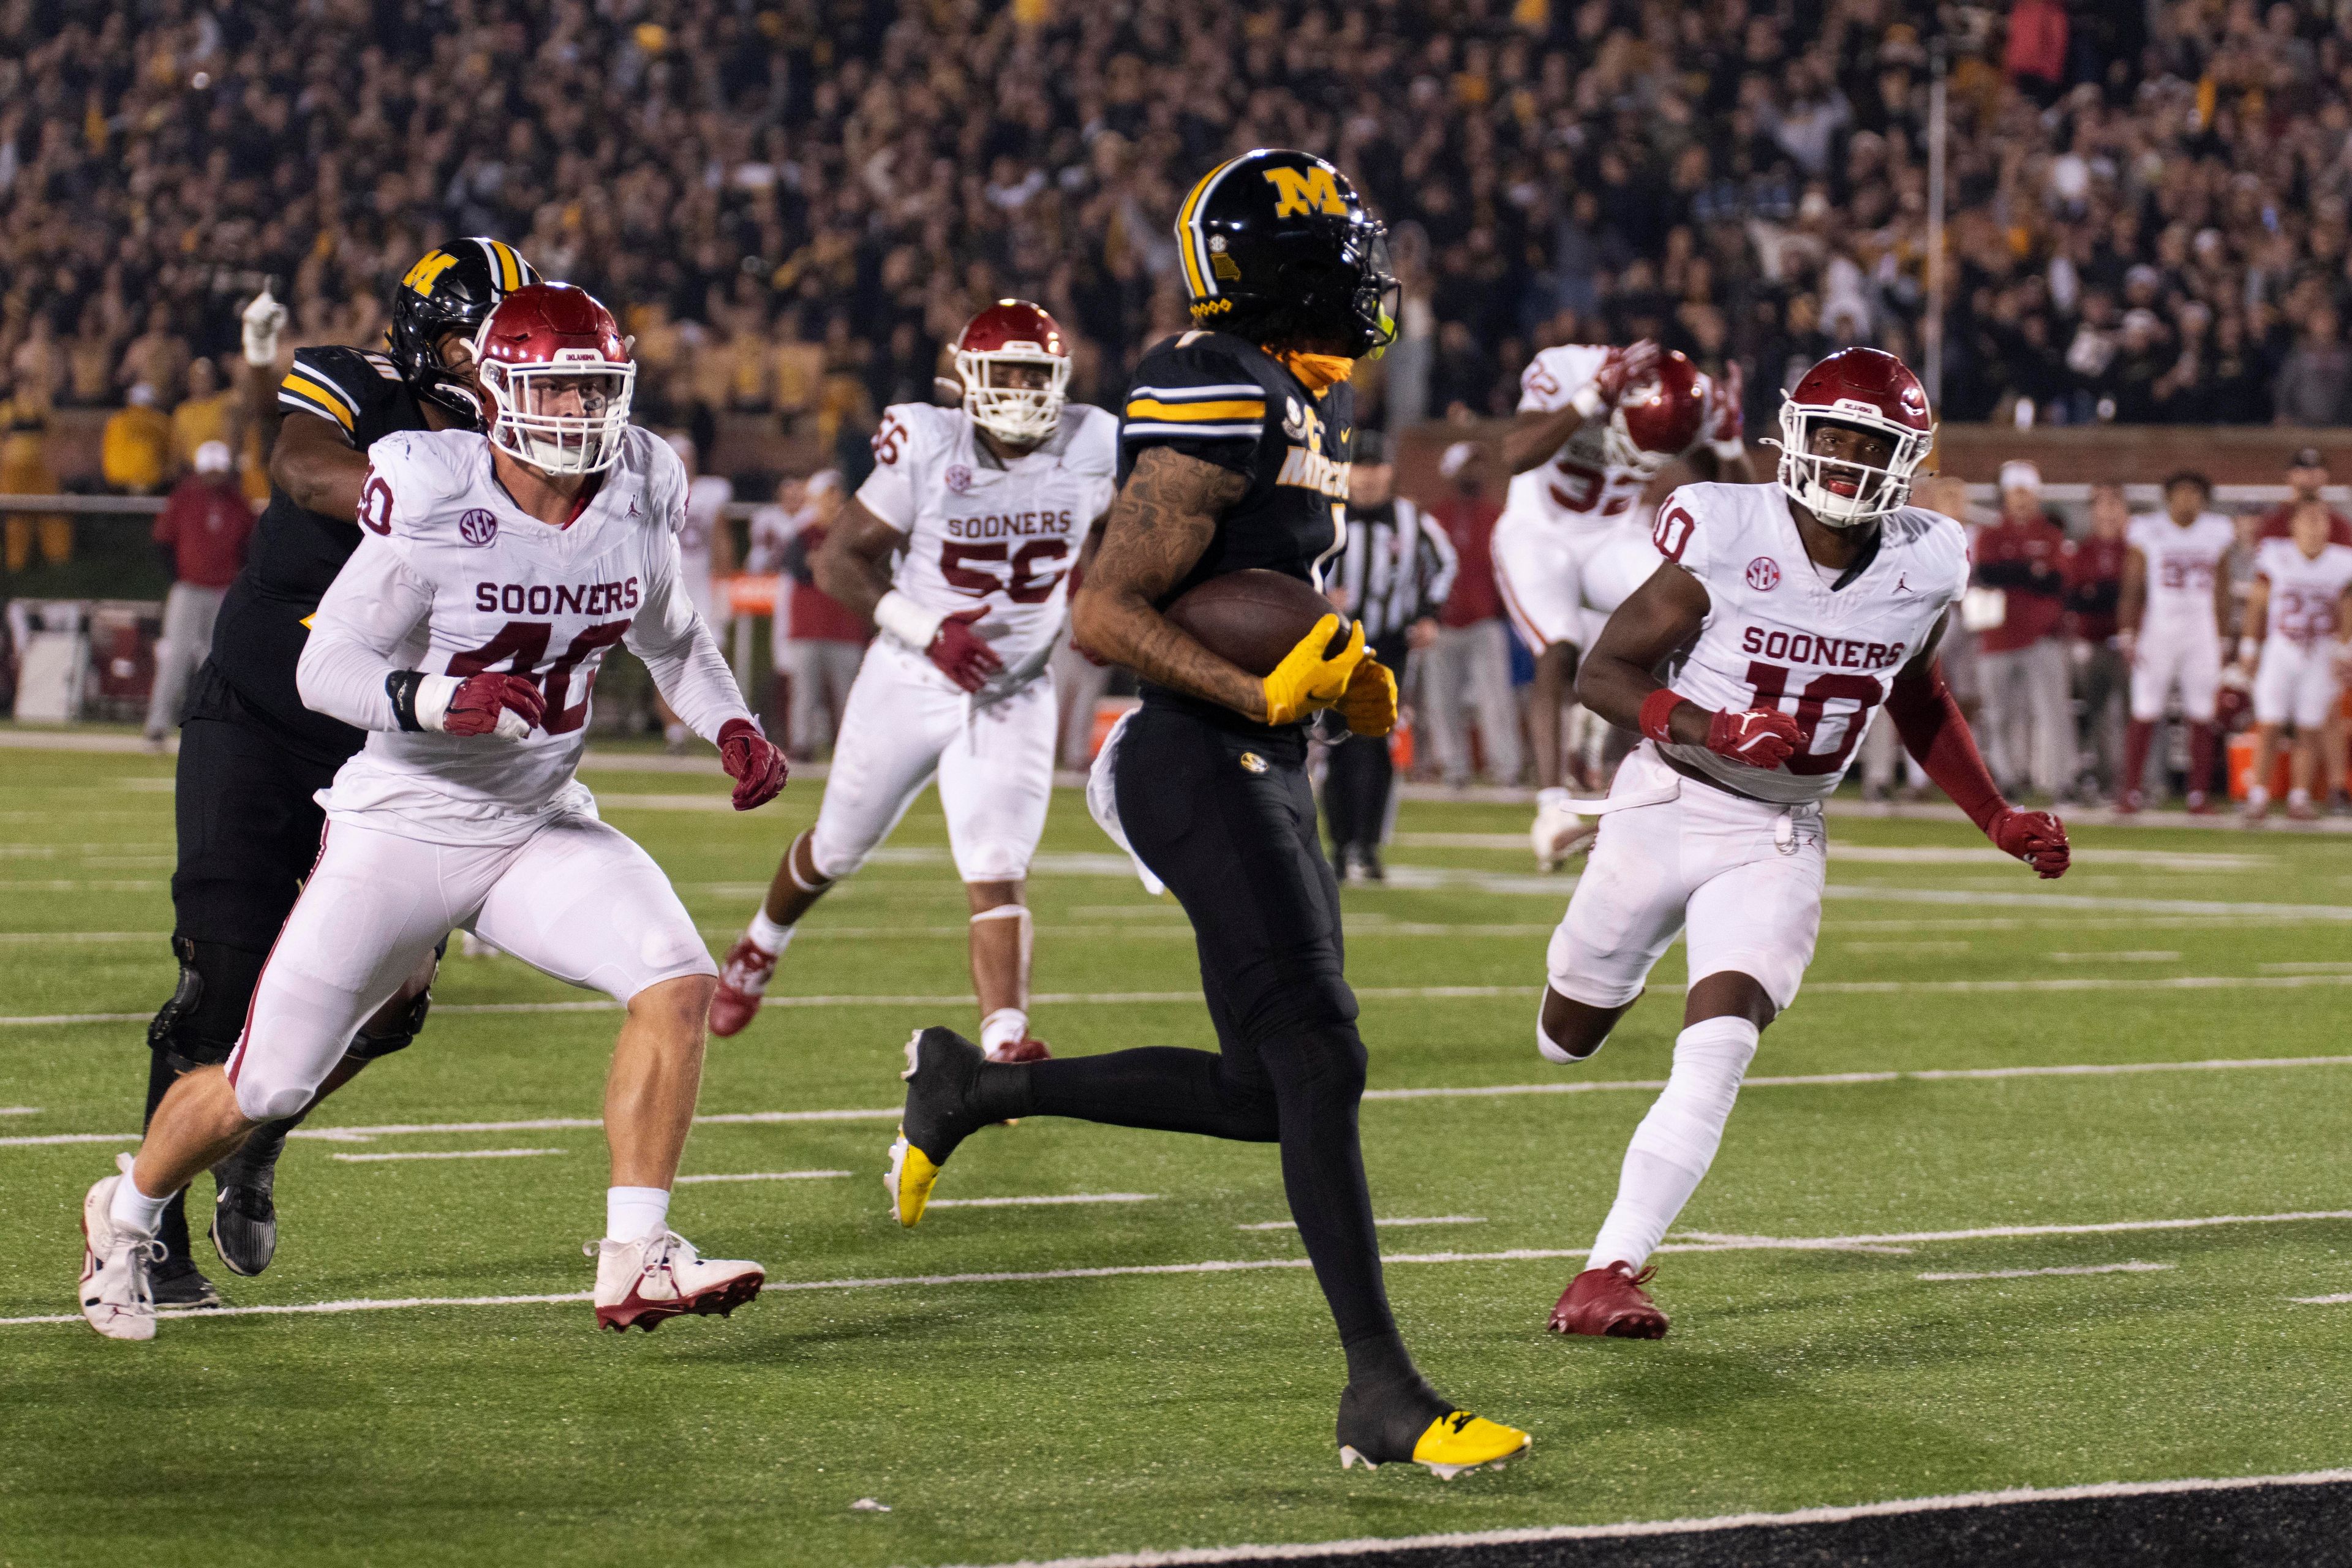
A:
(1190, 241)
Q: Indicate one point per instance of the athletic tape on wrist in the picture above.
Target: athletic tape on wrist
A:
(1588, 400)
(1657, 709)
(907, 621)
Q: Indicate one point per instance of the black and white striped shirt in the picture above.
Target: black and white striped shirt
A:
(1397, 566)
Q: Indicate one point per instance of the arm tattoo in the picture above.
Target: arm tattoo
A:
(1163, 520)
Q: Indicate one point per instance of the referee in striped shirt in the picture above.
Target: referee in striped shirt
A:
(1394, 574)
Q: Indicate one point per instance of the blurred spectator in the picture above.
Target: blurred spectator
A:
(2095, 586)
(206, 414)
(1466, 669)
(2314, 381)
(25, 471)
(2306, 477)
(135, 448)
(2021, 662)
(2035, 58)
(203, 531)
(823, 642)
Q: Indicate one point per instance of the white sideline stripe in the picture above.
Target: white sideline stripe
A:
(1702, 1242)
(1480, 1091)
(1187, 1556)
(2133, 1268)
(19, 1110)
(85, 936)
(1041, 1202)
(2335, 1300)
(1392, 993)
(764, 1176)
(1427, 1219)
(448, 1154)
(357, 1304)
(2143, 955)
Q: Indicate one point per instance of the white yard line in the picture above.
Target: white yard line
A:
(2133, 1268)
(2144, 955)
(448, 1154)
(1478, 1091)
(19, 1110)
(1699, 1242)
(1367, 1546)
(764, 1176)
(2335, 1300)
(1050, 1201)
(1426, 1220)
(29, 936)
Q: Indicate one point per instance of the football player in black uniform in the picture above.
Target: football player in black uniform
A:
(1233, 454)
(251, 755)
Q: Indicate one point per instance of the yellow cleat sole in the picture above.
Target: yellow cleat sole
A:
(909, 1180)
(1454, 1443)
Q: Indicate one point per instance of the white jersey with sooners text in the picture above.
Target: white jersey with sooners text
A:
(452, 578)
(1576, 486)
(1779, 634)
(2181, 565)
(987, 533)
(2304, 589)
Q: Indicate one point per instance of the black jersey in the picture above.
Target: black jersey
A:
(296, 552)
(1225, 401)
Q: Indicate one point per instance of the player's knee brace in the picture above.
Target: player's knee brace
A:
(1686, 1125)
(398, 1031)
(200, 1024)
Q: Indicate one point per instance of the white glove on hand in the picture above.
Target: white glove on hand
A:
(264, 320)
(1558, 831)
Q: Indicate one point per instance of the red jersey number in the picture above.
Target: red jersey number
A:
(1033, 569)
(890, 441)
(375, 504)
(1671, 533)
(525, 642)
(1772, 684)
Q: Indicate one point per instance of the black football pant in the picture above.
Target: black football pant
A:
(1356, 792)
(1228, 822)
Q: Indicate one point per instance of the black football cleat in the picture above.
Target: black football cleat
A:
(177, 1282)
(245, 1217)
(942, 1071)
(1408, 1423)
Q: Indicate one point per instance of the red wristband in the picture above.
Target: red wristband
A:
(1656, 709)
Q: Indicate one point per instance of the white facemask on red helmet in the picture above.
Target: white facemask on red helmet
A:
(1867, 389)
(556, 379)
(1013, 332)
(1657, 420)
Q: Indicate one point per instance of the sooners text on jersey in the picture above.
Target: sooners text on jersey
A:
(1777, 634)
(1002, 535)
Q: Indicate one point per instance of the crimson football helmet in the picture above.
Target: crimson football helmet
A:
(1658, 420)
(1867, 389)
(556, 379)
(1011, 333)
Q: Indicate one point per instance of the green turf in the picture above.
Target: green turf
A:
(1044, 1418)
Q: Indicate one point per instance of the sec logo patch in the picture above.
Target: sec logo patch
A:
(959, 478)
(1763, 573)
(1252, 762)
(478, 527)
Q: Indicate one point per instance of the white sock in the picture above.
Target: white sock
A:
(2295, 797)
(1005, 1027)
(2258, 797)
(133, 1210)
(1677, 1142)
(634, 1212)
(766, 934)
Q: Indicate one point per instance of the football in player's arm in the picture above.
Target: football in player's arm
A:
(464, 636)
(960, 548)
(1826, 592)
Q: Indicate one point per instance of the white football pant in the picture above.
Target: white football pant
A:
(1559, 583)
(2296, 683)
(2189, 658)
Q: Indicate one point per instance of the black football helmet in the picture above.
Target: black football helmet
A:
(450, 290)
(1277, 243)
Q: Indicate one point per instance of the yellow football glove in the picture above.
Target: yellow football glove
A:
(1305, 680)
(1370, 703)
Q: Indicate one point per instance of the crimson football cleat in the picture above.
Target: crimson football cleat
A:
(1027, 1048)
(742, 982)
(643, 1283)
(1609, 1302)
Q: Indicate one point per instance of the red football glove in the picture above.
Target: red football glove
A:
(959, 650)
(753, 761)
(479, 701)
(2036, 838)
(1760, 737)
(1629, 366)
(1727, 419)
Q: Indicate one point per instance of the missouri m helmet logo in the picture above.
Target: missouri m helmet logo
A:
(428, 271)
(1310, 190)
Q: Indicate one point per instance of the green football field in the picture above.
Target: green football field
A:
(2030, 1189)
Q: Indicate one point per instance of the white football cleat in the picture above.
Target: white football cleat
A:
(1558, 831)
(117, 1295)
(645, 1282)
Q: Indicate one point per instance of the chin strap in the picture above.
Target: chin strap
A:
(1936, 733)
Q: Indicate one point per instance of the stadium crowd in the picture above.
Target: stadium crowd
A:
(795, 201)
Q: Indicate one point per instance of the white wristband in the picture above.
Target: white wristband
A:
(433, 695)
(1588, 400)
(1555, 798)
(907, 620)
(2249, 649)
(1729, 451)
